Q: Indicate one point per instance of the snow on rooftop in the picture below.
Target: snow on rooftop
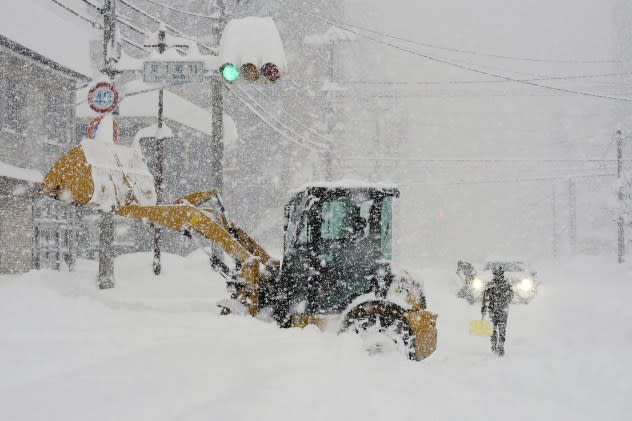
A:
(47, 29)
(175, 108)
(7, 170)
(252, 40)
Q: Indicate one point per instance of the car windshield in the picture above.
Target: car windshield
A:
(507, 266)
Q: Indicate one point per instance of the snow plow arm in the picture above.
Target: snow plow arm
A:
(186, 217)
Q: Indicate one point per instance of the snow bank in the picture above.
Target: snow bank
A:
(156, 349)
(7, 170)
(252, 40)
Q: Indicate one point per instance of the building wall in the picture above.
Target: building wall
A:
(37, 109)
(44, 101)
(16, 225)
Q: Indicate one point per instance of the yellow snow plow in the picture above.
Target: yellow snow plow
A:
(336, 270)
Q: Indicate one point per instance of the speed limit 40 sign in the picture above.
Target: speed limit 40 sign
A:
(103, 97)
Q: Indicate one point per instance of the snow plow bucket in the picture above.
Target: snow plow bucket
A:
(102, 175)
(424, 326)
(481, 328)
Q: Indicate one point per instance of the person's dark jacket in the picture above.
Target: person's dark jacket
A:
(496, 298)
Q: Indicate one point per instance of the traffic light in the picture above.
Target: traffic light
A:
(229, 72)
(271, 72)
(249, 71)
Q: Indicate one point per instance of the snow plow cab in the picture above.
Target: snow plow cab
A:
(336, 270)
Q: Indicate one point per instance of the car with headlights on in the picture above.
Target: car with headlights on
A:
(473, 280)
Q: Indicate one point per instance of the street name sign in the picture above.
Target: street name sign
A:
(173, 71)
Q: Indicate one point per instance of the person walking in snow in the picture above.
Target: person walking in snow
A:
(496, 298)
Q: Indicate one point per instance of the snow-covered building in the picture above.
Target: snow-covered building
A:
(186, 163)
(39, 73)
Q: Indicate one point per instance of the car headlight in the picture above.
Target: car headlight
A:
(477, 284)
(526, 284)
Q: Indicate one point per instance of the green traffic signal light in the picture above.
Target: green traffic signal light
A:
(229, 72)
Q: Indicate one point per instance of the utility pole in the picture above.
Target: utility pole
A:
(161, 45)
(217, 108)
(160, 146)
(111, 55)
(620, 225)
(554, 211)
(572, 214)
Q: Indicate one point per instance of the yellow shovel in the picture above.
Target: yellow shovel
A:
(481, 328)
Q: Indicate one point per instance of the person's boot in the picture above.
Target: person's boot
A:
(500, 350)
(493, 341)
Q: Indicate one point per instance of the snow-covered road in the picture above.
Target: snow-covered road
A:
(156, 349)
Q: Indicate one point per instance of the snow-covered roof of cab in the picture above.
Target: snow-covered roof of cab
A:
(43, 32)
(349, 185)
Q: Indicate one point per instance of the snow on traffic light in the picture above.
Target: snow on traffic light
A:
(251, 48)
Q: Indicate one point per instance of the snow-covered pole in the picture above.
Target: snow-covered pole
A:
(620, 225)
(217, 109)
(158, 180)
(106, 226)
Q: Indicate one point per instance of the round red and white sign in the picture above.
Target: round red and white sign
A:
(93, 126)
(103, 97)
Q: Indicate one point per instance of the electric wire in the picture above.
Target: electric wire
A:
(456, 50)
(94, 6)
(438, 82)
(68, 9)
(264, 120)
(461, 66)
(169, 27)
(99, 26)
(287, 114)
(279, 122)
(185, 12)
(507, 181)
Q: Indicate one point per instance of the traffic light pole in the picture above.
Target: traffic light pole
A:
(106, 225)
(217, 109)
(160, 144)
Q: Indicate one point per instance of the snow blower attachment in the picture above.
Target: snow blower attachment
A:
(100, 174)
(336, 270)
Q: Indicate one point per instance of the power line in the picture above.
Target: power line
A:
(185, 12)
(128, 24)
(264, 120)
(279, 122)
(461, 66)
(68, 9)
(506, 181)
(94, 6)
(287, 114)
(169, 27)
(465, 160)
(98, 26)
(438, 82)
(460, 50)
